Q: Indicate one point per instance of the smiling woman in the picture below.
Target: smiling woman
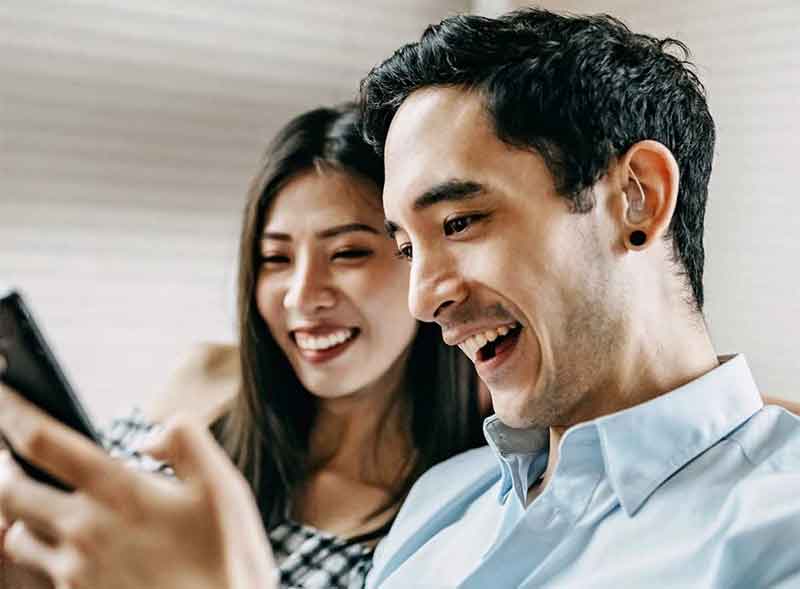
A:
(341, 387)
(330, 288)
(345, 399)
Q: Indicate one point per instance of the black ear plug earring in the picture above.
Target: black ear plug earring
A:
(638, 238)
(636, 214)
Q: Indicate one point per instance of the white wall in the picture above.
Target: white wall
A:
(128, 133)
(749, 60)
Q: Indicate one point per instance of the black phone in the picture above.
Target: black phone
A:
(28, 365)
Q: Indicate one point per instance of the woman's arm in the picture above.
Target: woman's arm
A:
(126, 529)
(202, 387)
(792, 406)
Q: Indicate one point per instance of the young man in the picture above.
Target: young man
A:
(546, 176)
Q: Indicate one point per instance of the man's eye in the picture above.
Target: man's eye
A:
(460, 224)
(351, 254)
(404, 252)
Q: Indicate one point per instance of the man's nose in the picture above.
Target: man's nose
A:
(435, 284)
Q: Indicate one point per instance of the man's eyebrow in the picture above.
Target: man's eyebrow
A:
(326, 233)
(449, 191)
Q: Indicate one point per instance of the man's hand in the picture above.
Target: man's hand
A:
(126, 529)
(14, 576)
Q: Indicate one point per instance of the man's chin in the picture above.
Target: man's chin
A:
(515, 416)
(517, 408)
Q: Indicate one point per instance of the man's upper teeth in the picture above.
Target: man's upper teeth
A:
(472, 344)
(323, 342)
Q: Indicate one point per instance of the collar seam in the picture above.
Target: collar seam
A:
(678, 461)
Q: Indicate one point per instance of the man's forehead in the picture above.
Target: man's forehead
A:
(429, 111)
(437, 134)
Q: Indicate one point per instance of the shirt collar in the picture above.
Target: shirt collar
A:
(522, 454)
(644, 445)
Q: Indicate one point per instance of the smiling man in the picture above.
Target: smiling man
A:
(546, 178)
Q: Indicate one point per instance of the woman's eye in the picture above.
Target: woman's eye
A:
(274, 259)
(460, 224)
(404, 252)
(352, 254)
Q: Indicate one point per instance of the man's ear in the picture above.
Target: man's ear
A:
(649, 176)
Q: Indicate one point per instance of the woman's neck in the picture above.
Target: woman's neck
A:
(365, 436)
(360, 449)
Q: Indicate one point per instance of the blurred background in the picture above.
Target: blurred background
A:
(129, 131)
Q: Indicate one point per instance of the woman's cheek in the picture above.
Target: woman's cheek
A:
(266, 303)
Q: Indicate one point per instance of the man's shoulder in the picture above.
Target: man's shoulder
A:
(770, 441)
(463, 466)
(466, 473)
(438, 498)
(761, 512)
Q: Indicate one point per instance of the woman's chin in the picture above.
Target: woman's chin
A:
(321, 388)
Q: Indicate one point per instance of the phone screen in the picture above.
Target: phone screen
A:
(28, 365)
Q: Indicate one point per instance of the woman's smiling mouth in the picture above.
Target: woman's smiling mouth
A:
(322, 344)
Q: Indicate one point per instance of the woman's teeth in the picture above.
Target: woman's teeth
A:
(325, 342)
(472, 344)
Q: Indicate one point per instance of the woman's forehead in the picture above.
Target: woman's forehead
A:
(319, 199)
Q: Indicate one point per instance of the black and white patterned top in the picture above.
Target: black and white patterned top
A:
(310, 558)
(307, 558)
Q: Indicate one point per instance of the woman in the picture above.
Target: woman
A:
(345, 399)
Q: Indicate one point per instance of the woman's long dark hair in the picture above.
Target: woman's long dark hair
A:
(267, 431)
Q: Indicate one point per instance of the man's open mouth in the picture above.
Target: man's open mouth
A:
(484, 346)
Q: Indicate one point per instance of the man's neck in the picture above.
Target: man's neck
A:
(648, 366)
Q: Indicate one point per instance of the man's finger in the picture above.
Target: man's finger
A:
(39, 506)
(60, 451)
(27, 549)
(189, 448)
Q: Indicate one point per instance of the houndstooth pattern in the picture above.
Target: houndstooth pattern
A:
(312, 559)
(125, 435)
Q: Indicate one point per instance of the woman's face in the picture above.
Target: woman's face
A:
(330, 286)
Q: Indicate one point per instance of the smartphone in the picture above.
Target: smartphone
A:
(28, 365)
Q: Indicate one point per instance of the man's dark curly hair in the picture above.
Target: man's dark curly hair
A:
(579, 90)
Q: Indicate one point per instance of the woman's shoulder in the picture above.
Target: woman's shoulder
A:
(203, 385)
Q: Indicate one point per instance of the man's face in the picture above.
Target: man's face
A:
(520, 283)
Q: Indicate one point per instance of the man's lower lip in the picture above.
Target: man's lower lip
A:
(486, 368)
(322, 356)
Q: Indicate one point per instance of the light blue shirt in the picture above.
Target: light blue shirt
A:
(699, 487)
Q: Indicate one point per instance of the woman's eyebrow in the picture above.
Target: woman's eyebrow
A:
(276, 236)
(326, 233)
(347, 228)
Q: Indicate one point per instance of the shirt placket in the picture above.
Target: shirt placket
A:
(524, 551)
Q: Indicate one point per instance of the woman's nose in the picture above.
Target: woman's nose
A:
(310, 290)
